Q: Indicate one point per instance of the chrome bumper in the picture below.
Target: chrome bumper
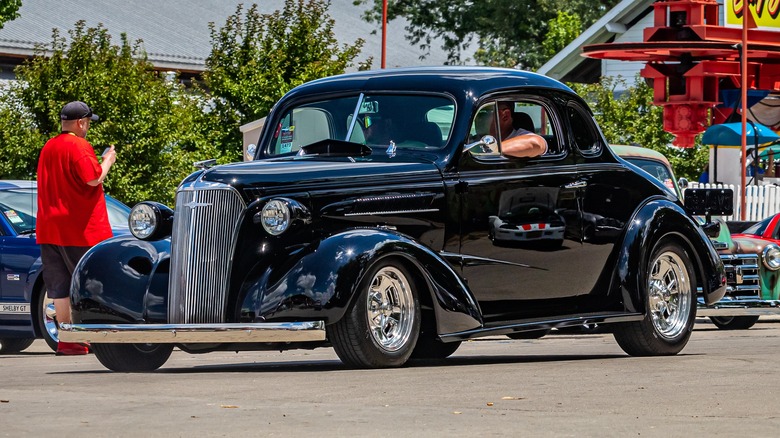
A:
(727, 307)
(310, 331)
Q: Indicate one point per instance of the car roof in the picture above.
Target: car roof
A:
(639, 152)
(452, 79)
(17, 184)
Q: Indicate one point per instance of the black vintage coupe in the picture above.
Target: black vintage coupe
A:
(364, 223)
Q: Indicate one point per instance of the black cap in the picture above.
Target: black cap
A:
(77, 110)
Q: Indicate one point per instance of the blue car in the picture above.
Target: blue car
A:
(26, 313)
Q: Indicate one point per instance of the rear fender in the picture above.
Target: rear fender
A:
(122, 280)
(656, 219)
(321, 281)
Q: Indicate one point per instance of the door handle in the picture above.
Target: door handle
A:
(576, 184)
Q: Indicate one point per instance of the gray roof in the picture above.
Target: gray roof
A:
(175, 33)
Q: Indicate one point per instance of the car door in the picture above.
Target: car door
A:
(607, 199)
(18, 249)
(513, 258)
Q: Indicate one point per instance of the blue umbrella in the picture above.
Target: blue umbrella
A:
(730, 134)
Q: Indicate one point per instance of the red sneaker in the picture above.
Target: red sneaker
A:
(71, 349)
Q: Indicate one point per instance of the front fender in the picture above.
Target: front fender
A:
(654, 220)
(122, 280)
(321, 281)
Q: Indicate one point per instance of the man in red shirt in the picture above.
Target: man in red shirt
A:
(72, 213)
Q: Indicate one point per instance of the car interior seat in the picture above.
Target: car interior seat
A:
(522, 120)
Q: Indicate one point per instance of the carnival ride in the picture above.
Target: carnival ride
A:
(694, 63)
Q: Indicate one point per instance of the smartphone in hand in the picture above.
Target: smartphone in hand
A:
(105, 151)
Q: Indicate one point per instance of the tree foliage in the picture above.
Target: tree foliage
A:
(631, 118)
(564, 28)
(9, 10)
(152, 122)
(256, 58)
(508, 33)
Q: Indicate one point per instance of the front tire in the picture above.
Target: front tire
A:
(381, 328)
(734, 322)
(132, 358)
(15, 345)
(670, 305)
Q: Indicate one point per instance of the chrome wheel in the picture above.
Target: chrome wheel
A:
(382, 326)
(669, 295)
(390, 307)
(47, 325)
(668, 289)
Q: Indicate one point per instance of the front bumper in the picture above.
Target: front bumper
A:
(282, 332)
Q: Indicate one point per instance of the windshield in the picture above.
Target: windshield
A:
(408, 121)
(759, 228)
(20, 206)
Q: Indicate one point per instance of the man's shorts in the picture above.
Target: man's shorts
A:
(58, 265)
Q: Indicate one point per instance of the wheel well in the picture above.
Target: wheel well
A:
(427, 314)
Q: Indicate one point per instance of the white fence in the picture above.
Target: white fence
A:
(760, 201)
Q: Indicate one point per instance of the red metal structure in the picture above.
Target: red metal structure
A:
(691, 58)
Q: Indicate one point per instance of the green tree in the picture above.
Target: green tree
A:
(256, 58)
(156, 125)
(507, 33)
(630, 117)
(563, 29)
(9, 10)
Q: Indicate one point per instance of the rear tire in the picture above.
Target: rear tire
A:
(14, 345)
(734, 322)
(132, 358)
(670, 305)
(381, 327)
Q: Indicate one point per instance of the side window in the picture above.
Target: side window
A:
(482, 125)
(510, 118)
(582, 129)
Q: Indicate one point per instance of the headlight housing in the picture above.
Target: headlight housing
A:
(278, 214)
(150, 221)
(771, 257)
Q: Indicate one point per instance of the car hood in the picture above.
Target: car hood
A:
(304, 174)
(744, 244)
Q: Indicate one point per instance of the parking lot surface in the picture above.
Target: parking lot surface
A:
(722, 384)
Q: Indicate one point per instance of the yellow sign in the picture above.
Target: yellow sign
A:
(766, 13)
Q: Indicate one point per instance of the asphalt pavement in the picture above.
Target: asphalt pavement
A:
(722, 384)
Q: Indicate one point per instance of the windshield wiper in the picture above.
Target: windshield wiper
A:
(25, 232)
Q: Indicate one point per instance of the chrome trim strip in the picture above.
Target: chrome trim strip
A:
(308, 331)
(373, 213)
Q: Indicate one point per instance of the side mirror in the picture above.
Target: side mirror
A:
(682, 183)
(484, 143)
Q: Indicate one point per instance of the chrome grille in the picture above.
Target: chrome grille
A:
(205, 221)
(742, 276)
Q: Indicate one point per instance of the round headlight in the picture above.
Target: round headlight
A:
(771, 257)
(143, 220)
(275, 217)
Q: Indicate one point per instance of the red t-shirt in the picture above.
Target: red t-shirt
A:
(70, 212)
